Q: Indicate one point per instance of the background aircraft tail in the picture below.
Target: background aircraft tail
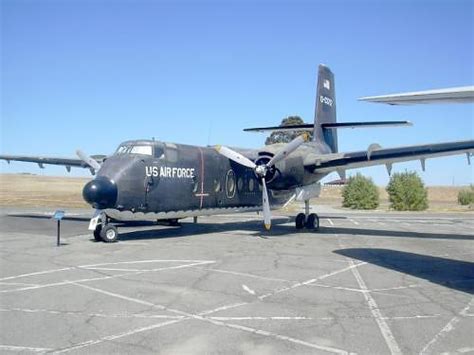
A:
(325, 109)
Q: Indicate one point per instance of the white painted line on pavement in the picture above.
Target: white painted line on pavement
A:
(23, 348)
(248, 289)
(117, 336)
(242, 274)
(68, 282)
(304, 283)
(374, 309)
(447, 328)
(35, 273)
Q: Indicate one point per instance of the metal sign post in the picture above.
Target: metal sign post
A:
(58, 216)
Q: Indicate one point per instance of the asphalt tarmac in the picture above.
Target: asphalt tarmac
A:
(366, 283)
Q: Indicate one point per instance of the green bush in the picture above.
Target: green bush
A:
(407, 192)
(360, 193)
(466, 197)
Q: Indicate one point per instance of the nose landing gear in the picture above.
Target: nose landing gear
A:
(109, 234)
(102, 230)
(308, 220)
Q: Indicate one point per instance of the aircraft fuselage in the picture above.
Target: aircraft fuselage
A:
(155, 180)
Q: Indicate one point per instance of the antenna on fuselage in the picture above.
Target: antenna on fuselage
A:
(209, 133)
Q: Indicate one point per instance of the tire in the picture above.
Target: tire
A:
(312, 222)
(109, 234)
(97, 230)
(300, 221)
(174, 222)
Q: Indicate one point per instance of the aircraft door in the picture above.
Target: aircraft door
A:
(219, 187)
(210, 186)
(149, 180)
(152, 178)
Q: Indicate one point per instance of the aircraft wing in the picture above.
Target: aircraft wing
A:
(40, 160)
(376, 155)
(462, 94)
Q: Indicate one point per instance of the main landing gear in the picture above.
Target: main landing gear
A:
(308, 220)
(103, 231)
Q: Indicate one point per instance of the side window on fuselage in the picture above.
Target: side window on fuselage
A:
(159, 152)
(171, 154)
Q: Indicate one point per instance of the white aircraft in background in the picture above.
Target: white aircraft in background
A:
(463, 94)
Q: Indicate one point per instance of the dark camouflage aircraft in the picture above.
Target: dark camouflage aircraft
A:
(152, 180)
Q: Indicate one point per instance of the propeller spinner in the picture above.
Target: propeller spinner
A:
(261, 170)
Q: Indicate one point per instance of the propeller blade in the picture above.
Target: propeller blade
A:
(234, 156)
(88, 160)
(288, 149)
(267, 217)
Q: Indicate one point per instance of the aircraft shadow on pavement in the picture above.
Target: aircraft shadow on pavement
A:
(454, 274)
(393, 233)
(39, 216)
(254, 227)
(280, 227)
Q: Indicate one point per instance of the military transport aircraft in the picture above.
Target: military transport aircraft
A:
(152, 180)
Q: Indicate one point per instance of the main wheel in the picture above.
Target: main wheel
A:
(300, 220)
(109, 234)
(174, 222)
(312, 222)
(97, 231)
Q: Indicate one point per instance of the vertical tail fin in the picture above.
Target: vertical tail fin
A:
(325, 110)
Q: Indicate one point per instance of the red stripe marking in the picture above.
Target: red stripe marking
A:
(201, 195)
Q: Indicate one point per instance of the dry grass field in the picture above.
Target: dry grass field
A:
(41, 191)
(66, 192)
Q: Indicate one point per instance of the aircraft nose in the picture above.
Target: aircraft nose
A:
(101, 193)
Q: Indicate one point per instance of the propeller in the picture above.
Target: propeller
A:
(262, 169)
(288, 149)
(267, 216)
(234, 156)
(88, 160)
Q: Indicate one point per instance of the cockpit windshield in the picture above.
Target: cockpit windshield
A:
(135, 149)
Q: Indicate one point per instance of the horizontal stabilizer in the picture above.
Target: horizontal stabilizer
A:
(298, 127)
(310, 126)
(366, 124)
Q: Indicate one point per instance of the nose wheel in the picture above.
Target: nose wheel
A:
(307, 220)
(104, 231)
(96, 233)
(109, 234)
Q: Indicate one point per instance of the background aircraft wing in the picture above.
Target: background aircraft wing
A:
(376, 155)
(67, 162)
(462, 94)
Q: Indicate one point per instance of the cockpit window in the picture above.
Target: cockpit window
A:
(142, 149)
(135, 149)
(123, 149)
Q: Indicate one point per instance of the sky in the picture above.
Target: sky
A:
(90, 74)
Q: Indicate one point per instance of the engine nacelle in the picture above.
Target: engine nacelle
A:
(286, 174)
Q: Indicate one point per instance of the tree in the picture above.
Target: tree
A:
(407, 192)
(287, 136)
(466, 196)
(360, 193)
